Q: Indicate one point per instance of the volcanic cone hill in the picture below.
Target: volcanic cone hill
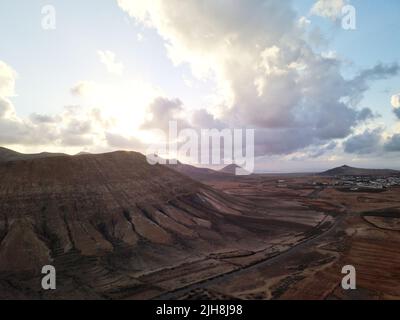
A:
(231, 170)
(351, 171)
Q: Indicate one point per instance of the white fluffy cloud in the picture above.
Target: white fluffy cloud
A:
(268, 76)
(6, 108)
(108, 58)
(395, 101)
(331, 9)
(82, 88)
(119, 141)
(73, 127)
(161, 111)
(7, 80)
(12, 129)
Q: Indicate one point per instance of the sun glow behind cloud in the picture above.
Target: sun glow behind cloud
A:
(124, 100)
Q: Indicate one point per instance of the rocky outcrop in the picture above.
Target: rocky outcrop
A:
(21, 250)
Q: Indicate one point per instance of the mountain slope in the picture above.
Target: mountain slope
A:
(350, 171)
(108, 218)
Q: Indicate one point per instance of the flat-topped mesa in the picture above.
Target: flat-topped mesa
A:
(11, 155)
(96, 204)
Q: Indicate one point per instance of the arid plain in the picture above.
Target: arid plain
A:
(360, 229)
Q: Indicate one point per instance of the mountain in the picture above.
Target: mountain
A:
(231, 169)
(104, 221)
(10, 155)
(350, 171)
(196, 173)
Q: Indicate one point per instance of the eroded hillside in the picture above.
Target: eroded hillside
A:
(112, 223)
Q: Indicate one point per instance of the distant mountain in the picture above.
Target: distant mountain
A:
(231, 169)
(351, 171)
(82, 153)
(11, 155)
(196, 173)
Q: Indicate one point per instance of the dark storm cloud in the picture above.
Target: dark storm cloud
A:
(393, 145)
(397, 112)
(365, 143)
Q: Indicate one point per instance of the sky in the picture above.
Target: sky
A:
(99, 76)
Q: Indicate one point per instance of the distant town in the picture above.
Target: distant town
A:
(348, 182)
(358, 183)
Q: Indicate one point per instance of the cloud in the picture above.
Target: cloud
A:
(79, 127)
(71, 128)
(163, 110)
(76, 141)
(109, 60)
(320, 151)
(393, 145)
(12, 128)
(314, 152)
(203, 119)
(365, 143)
(397, 112)
(6, 108)
(75, 126)
(366, 114)
(42, 119)
(379, 71)
(119, 141)
(331, 9)
(7, 80)
(268, 76)
(82, 88)
(360, 84)
(281, 141)
(139, 37)
(395, 101)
